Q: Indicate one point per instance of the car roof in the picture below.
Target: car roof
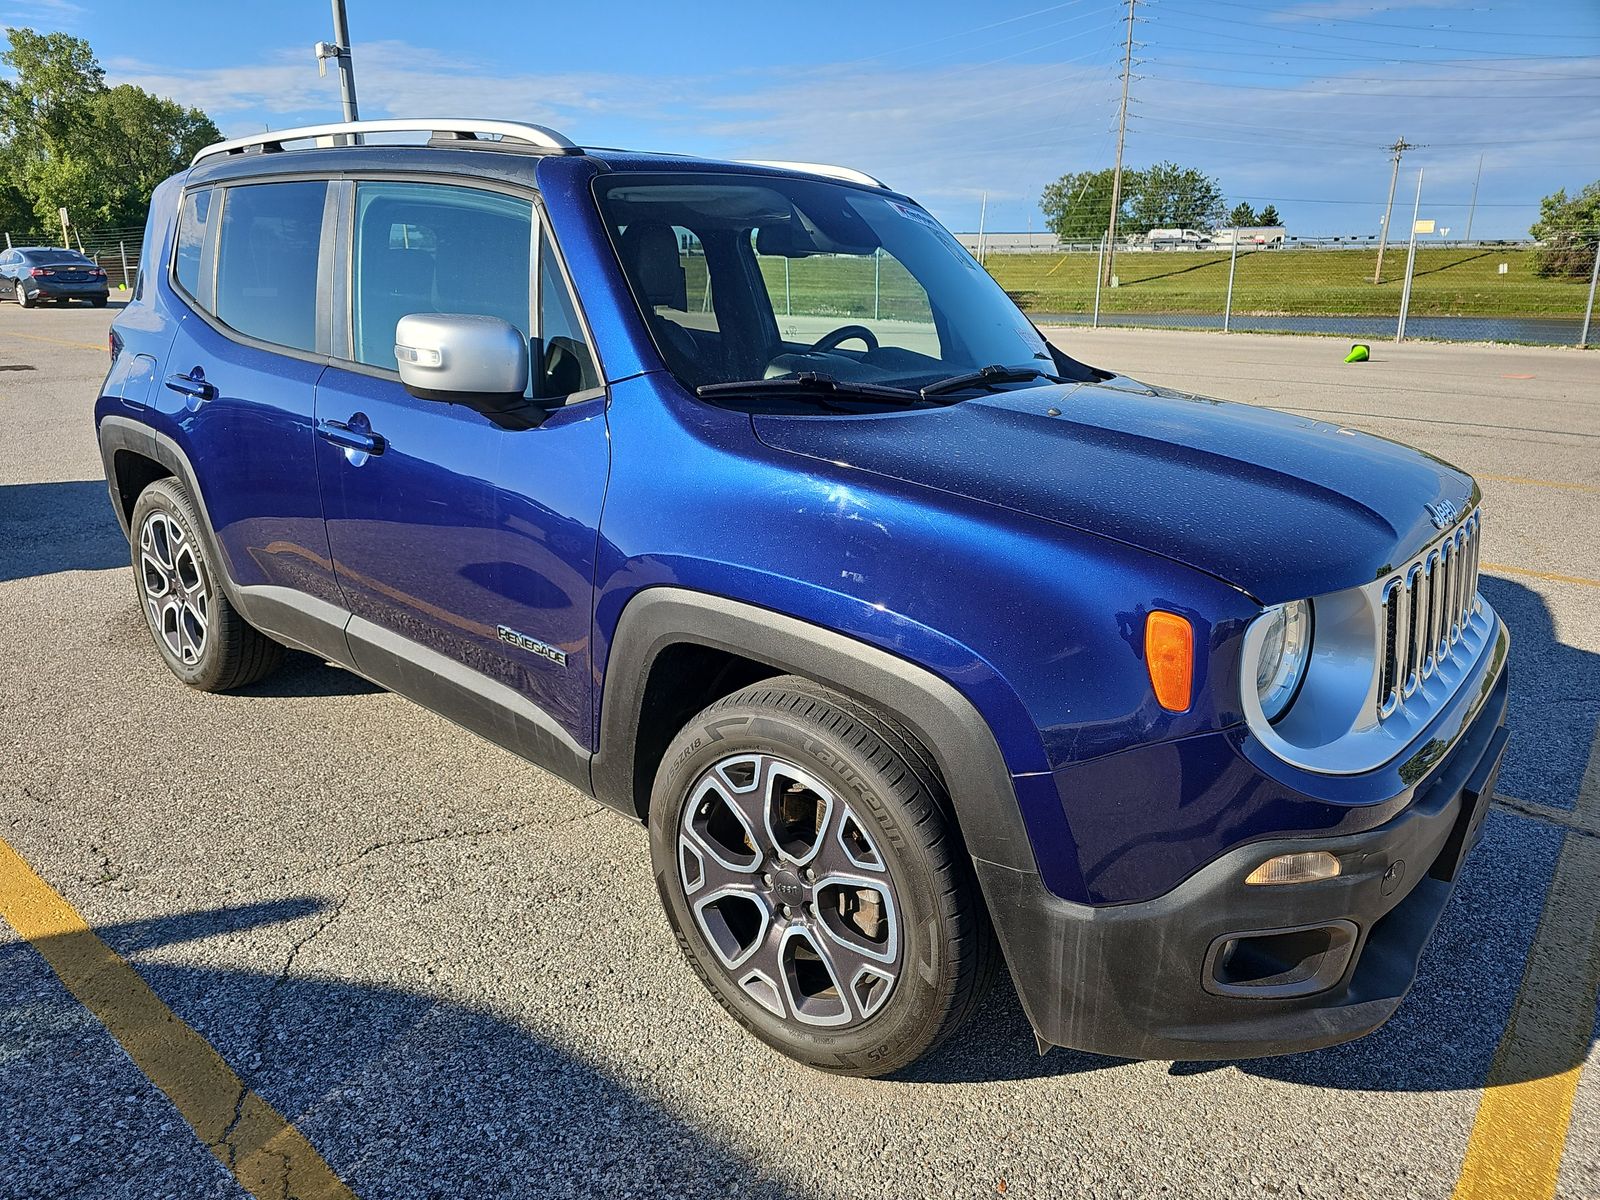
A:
(48, 250)
(510, 149)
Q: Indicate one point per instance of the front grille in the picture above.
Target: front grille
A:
(1426, 609)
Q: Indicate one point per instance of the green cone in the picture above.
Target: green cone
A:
(1358, 353)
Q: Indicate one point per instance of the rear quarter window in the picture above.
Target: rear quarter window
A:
(267, 251)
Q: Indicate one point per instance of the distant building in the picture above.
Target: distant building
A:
(1013, 243)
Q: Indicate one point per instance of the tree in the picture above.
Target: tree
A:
(1242, 216)
(1568, 231)
(1077, 207)
(68, 140)
(1172, 197)
(1268, 216)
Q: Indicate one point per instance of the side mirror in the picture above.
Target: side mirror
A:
(481, 362)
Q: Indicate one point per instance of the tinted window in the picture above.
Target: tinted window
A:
(267, 262)
(191, 240)
(568, 365)
(431, 248)
(52, 258)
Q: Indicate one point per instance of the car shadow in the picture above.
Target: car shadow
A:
(46, 528)
(1444, 1036)
(51, 527)
(400, 1092)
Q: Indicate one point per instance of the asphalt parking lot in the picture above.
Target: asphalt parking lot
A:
(376, 943)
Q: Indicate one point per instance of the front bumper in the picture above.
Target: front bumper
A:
(1218, 969)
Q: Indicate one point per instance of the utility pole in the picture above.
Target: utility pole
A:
(1473, 211)
(1122, 135)
(1399, 148)
(339, 51)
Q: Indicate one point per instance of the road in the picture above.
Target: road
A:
(449, 974)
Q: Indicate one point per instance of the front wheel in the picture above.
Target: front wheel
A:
(802, 849)
(201, 636)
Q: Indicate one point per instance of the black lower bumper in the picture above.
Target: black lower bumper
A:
(72, 293)
(1218, 968)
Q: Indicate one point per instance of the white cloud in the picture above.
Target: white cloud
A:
(949, 134)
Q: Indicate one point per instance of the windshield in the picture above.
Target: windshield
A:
(746, 278)
(55, 258)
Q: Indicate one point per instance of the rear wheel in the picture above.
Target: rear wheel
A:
(200, 635)
(814, 881)
(100, 301)
(22, 296)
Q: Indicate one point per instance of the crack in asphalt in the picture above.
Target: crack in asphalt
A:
(1555, 817)
(257, 1058)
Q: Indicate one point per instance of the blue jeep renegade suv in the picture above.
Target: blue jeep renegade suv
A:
(741, 498)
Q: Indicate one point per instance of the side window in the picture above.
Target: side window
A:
(192, 239)
(815, 294)
(567, 365)
(267, 261)
(435, 248)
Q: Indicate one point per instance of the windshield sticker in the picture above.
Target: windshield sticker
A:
(946, 239)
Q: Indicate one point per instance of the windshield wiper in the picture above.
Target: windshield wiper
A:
(987, 377)
(813, 383)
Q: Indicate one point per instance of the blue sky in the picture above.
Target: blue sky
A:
(1290, 102)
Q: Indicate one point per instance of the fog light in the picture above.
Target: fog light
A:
(1305, 867)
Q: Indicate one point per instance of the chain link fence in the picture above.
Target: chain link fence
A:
(1534, 292)
(114, 249)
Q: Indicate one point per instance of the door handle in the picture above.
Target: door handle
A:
(193, 384)
(355, 435)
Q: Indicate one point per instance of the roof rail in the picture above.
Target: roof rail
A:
(848, 174)
(470, 130)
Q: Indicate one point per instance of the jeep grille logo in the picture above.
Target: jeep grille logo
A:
(1443, 512)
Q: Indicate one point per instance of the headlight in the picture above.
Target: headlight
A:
(1285, 651)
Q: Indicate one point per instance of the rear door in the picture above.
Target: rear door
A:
(464, 549)
(238, 387)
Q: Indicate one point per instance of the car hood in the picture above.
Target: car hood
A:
(1282, 506)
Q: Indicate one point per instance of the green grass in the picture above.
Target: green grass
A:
(1448, 282)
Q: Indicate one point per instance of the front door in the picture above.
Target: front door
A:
(464, 550)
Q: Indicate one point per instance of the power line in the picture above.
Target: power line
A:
(1256, 87)
(1530, 77)
(1366, 40)
(1260, 43)
(1321, 19)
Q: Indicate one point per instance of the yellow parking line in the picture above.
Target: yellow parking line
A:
(1520, 1133)
(1550, 575)
(1565, 484)
(39, 337)
(264, 1151)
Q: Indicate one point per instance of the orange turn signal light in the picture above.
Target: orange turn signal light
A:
(1169, 657)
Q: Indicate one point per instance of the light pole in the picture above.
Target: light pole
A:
(339, 51)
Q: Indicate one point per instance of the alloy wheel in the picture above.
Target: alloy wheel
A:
(175, 588)
(790, 891)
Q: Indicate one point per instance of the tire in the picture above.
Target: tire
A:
(199, 634)
(23, 298)
(804, 853)
(100, 301)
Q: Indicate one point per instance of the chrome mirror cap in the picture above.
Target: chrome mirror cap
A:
(456, 355)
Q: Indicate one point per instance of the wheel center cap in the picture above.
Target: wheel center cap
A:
(786, 886)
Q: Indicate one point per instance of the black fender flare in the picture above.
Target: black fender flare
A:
(944, 720)
(125, 433)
